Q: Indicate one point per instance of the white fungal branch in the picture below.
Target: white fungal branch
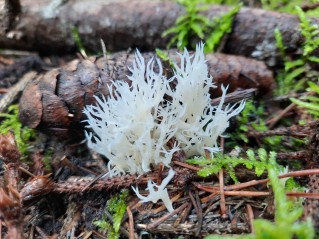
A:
(132, 126)
(158, 192)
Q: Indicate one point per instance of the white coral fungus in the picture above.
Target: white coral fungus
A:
(201, 123)
(133, 125)
(160, 193)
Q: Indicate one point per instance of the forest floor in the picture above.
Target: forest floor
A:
(262, 184)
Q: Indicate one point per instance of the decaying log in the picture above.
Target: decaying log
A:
(123, 24)
(54, 101)
(47, 27)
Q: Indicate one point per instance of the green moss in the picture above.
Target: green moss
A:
(22, 134)
(283, 5)
(219, 27)
(251, 117)
(164, 57)
(287, 215)
(78, 41)
(258, 163)
(193, 24)
(298, 71)
(309, 102)
(117, 207)
(47, 160)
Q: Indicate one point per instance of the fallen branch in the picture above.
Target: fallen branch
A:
(122, 24)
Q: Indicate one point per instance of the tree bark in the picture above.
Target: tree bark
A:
(140, 23)
(121, 24)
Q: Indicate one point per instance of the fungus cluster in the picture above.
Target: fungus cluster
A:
(132, 127)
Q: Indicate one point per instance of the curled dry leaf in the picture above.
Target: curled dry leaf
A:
(54, 102)
(9, 152)
(39, 185)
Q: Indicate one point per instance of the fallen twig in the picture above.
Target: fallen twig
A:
(167, 216)
(272, 122)
(222, 194)
(251, 217)
(131, 223)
